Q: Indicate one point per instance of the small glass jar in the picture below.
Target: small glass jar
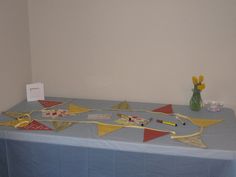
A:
(214, 106)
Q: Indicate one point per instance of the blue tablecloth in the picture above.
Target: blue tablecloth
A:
(78, 151)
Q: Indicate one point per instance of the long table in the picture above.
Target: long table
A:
(79, 152)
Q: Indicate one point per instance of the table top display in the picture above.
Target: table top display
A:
(129, 126)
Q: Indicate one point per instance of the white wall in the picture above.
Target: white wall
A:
(135, 50)
(15, 69)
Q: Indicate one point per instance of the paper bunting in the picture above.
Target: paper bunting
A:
(104, 129)
(150, 134)
(23, 121)
(76, 109)
(35, 125)
(192, 139)
(16, 123)
(204, 122)
(59, 126)
(47, 103)
(123, 105)
(165, 109)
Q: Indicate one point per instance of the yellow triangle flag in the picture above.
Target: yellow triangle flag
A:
(121, 105)
(59, 126)
(16, 123)
(200, 122)
(9, 123)
(76, 109)
(192, 139)
(104, 129)
(204, 122)
(17, 114)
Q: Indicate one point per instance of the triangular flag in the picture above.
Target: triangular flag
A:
(59, 126)
(204, 122)
(121, 105)
(200, 122)
(150, 134)
(17, 114)
(34, 125)
(192, 139)
(9, 123)
(16, 123)
(47, 103)
(22, 122)
(165, 109)
(77, 109)
(104, 129)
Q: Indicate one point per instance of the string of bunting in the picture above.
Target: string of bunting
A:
(24, 121)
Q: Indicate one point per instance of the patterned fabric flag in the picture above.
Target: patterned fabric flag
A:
(150, 134)
(52, 113)
(192, 139)
(104, 129)
(59, 126)
(132, 120)
(165, 109)
(122, 105)
(35, 125)
(47, 103)
(77, 109)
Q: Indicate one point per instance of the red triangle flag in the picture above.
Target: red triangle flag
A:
(152, 134)
(165, 109)
(35, 125)
(47, 103)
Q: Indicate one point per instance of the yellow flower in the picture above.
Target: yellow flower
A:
(201, 87)
(201, 78)
(195, 80)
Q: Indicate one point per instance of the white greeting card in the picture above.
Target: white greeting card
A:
(35, 91)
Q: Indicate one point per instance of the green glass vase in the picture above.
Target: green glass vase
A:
(196, 103)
